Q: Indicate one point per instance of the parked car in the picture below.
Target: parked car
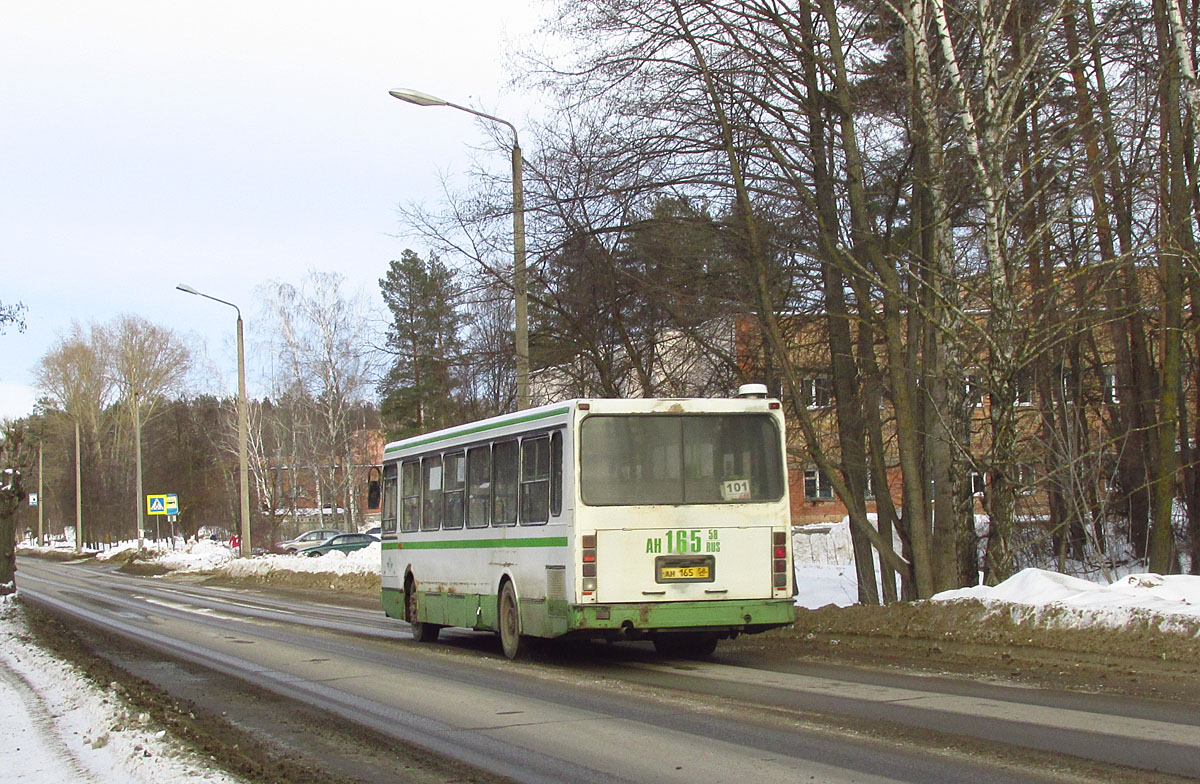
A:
(346, 543)
(306, 539)
(374, 530)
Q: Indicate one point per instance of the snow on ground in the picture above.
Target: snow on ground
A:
(66, 730)
(1169, 602)
(825, 575)
(364, 561)
(58, 727)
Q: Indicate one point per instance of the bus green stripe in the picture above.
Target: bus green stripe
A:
(514, 420)
(477, 544)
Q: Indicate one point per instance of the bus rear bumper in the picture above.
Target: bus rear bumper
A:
(726, 617)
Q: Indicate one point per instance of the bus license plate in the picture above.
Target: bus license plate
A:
(674, 569)
(684, 573)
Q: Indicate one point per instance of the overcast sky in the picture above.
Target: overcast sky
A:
(223, 144)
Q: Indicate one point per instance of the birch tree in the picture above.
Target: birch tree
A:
(320, 336)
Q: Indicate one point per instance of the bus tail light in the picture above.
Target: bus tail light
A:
(779, 559)
(588, 586)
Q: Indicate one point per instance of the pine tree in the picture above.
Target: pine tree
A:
(418, 392)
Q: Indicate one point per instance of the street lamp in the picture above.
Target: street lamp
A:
(521, 336)
(243, 473)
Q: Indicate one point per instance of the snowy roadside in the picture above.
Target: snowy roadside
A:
(66, 730)
(825, 575)
(59, 727)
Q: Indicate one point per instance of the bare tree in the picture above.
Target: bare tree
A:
(320, 336)
(73, 380)
(146, 363)
(977, 210)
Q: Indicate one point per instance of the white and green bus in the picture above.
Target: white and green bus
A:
(660, 519)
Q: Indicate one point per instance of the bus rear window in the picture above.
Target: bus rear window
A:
(680, 459)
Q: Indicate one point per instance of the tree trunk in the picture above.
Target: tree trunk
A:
(1175, 202)
(904, 398)
(10, 504)
(845, 373)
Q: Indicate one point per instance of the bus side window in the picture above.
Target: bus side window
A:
(479, 486)
(454, 481)
(387, 506)
(556, 473)
(505, 465)
(410, 496)
(535, 480)
(431, 472)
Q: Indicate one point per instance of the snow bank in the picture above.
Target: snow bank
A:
(59, 727)
(1171, 603)
(199, 556)
(825, 574)
(364, 561)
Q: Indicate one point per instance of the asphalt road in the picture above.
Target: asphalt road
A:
(619, 713)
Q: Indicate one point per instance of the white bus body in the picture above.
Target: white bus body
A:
(663, 518)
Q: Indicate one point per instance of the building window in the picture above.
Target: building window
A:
(1111, 395)
(975, 388)
(816, 392)
(1070, 387)
(1024, 389)
(817, 486)
(869, 485)
(1027, 478)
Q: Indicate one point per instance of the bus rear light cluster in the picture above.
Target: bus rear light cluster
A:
(589, 564)
(779, 560)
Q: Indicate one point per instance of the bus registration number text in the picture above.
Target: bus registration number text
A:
(684, 573)
(685, 569)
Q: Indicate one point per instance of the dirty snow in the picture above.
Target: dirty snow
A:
(58, 727)
(64, 729)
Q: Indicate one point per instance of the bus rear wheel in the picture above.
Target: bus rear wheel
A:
(421, 631)
(685, 645)
(514, 644)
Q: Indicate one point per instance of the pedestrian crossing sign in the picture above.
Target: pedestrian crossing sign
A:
(156, 504)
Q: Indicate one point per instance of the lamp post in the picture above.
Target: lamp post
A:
(243, 473)
(521, 305)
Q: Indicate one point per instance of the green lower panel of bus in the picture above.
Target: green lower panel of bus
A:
(747, 615)
(540, 618)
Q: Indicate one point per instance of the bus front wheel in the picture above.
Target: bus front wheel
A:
(514, 644)
(421, 631)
